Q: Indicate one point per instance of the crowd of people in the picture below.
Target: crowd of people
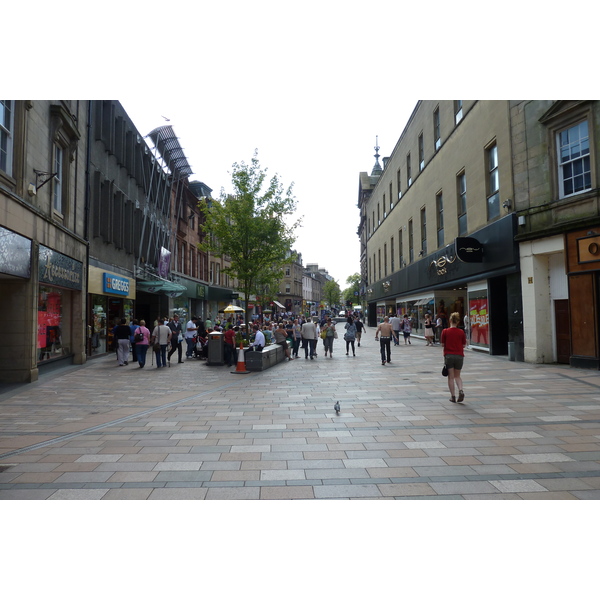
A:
(292, 333)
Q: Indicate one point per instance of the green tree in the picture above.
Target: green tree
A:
(351, 293)
(248, 227)
(331, 293)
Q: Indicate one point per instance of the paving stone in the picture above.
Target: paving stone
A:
(346, 491)
(78, 494)
(231, 493)
(300, 492)
(517, 486)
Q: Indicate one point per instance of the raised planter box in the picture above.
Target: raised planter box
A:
(267, 357)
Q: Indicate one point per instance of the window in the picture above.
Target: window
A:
(421, 153)
(369, 227)
(398, 184)
(212, 273)
(288, 288)
(391, 197)
(379, 263)
(461, 181)
(574, 172)
(57, 182)
(458, 114)
(192, 273)
(374, 222)
(439, 205)
(6, 135)
(288, 272)
(423, 232)
(493, 195)
(411, 251)
(385, 260)
(436, 129)
(392, 253)
(384, 211)
(408, 171)
(370, 272)
(378, 215)
(217, 274)
(400, 255)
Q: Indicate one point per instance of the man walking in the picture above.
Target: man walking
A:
(309, 339)
(395, 322)
(175, 327)
(190, 334)
(387, 332)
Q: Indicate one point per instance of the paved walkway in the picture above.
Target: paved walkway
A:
(197, 432)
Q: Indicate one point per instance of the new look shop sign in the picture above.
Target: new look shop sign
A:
(113, 284)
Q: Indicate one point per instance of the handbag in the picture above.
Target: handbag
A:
(445, 371)
(323, 335)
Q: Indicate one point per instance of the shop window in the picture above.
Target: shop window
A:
(478, 318)
(53, 327)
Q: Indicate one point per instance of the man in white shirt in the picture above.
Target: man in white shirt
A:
(309, 339)
(259, 339)
(396, 322)
(190, 334)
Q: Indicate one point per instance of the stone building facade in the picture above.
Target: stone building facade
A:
(43, 249)
(438, 226)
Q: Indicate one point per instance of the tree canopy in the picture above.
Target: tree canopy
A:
(331, 293)
(247, 226)
(350, 293)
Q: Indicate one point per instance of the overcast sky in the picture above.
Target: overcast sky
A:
(308, 85)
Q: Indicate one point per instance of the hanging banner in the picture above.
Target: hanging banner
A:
(164, 263)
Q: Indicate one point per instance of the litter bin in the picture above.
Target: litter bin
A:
(216, 348)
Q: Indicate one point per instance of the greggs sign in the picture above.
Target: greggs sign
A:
(113, 284)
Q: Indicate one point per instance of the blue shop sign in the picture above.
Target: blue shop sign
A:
(113, 284)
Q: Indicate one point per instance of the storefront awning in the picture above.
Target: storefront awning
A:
(161, 287)
(278, 304)
(423, 301)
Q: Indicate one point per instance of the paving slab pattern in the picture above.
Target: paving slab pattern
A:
(194, 432)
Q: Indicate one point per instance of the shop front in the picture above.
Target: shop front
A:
(477, 277)
(60, 282)
(583, 306)
(111, 297)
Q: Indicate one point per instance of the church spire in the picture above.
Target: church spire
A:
(377, 170)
